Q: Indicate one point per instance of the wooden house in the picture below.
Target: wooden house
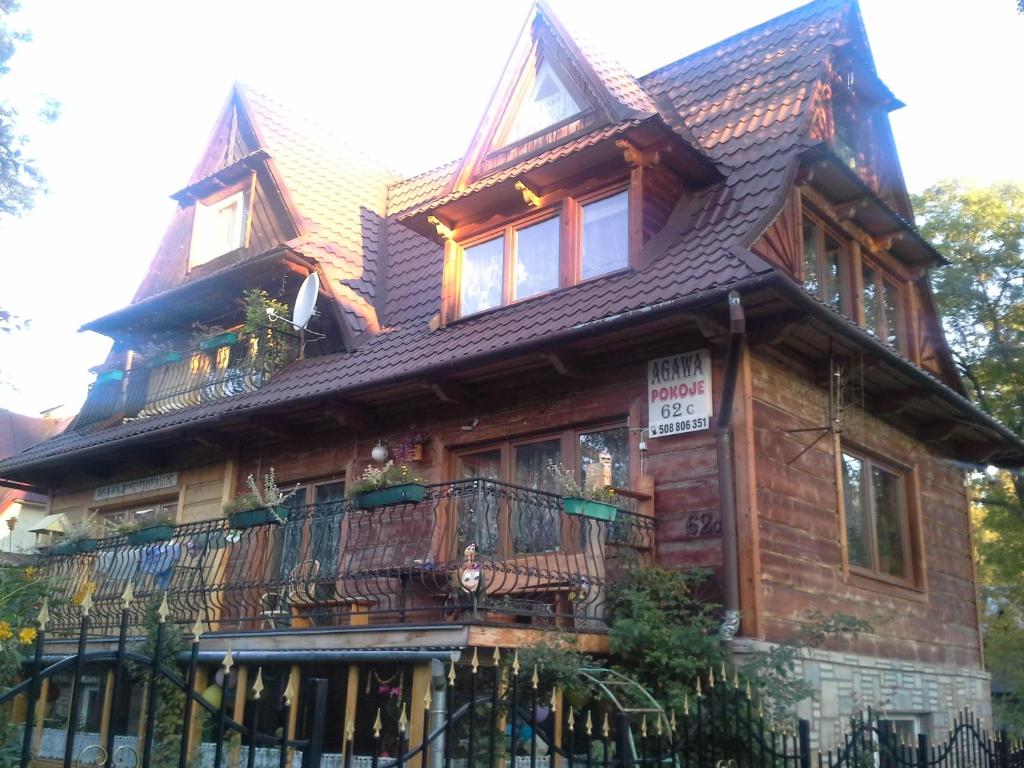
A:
(701, 286)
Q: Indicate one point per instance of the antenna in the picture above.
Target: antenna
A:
(305, 301)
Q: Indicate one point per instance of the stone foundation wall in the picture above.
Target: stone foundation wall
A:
(845, 684)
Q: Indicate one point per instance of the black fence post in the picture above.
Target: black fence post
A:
(804, 743)
(315, 750)
(1004, 749)
(33, 694)
(76, 685)
(922, 750)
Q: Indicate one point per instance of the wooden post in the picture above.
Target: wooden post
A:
(556, 713)
(293, 710)
(238, 712)
(44, 693)
(420, 690)
(108, 702)
(351, 702)
(195, 734)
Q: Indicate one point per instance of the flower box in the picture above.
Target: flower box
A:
(75, 547)
(151, 534)
(220, 340)
(406, 493)
(164, 358)
(598, 510)
(110, 376)
(250, 518)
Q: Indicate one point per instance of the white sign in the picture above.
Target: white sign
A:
(679, 393)
(142, 485)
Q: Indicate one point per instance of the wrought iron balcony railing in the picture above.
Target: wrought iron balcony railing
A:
(227, 365)
(336, 565)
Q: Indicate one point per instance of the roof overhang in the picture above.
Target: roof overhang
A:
(191, 301)
(221, 178)
(824, 171)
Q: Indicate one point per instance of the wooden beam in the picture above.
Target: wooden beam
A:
(449, 392)
(564, 363)
(275, 426)
(530, 197)
(443, 230)
(349, 414)
(938, 431)
(896, 402)
(637, 157)
(711, 329)
(846, 211)
(211, 440)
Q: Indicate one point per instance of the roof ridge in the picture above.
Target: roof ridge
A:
(746, 32)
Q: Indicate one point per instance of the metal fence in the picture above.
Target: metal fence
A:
(228, 365)
(336, 564)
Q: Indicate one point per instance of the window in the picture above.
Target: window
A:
(165, 511)
(825, 263)
(217, 228)
(546, 102)
(883, 307)
(877, 528)
(529, 258)
(601, 457)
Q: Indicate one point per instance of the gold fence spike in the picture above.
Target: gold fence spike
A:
(711, 678)
(378, 726)
(749, 696)
(515, 663)
(197, 630)
(604, 726)
(228, 662)
(257, 687)
(686, 701)
(44, 615)
(86, 605)
(451, 673)
(571, 722)
(535, 680)
(289, 690)
(164, 610)
(735, 679)
(643, 726)
(350, 730)
(497, 656)
(475, 664)
(699, 692)
(672, 722)
(590, 724)
(657, 725)
(128, 595)
(426, 699)
(403, 721)
(724, 677)
(554, 699)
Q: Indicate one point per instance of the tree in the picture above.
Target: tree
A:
(981, 294)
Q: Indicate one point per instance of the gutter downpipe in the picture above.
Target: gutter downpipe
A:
(438, 711)
(726, 477)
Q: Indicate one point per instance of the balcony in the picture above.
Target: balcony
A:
(228, 365)
(334, 565)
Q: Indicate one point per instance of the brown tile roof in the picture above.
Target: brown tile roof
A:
(745, 99)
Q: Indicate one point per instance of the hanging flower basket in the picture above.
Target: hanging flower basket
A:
(164, 358)
(250, 518)
(75, 547)
(220, 340)
(152, 534)
(406, 493)
(598, 510)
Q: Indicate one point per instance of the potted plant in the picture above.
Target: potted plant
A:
(594, 502)
(146, 531)
(388, 484)
(259, 505)
(156, 355)
(78, 537)
(262, 312)
(109, 376)
(210, 337)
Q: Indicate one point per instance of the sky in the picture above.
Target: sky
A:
(142, 83)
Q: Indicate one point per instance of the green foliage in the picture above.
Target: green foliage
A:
(558, 660)
(257, 302)
(981, 295)
(375, 478)
(566, 481)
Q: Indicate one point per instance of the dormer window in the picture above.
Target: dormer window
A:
(556, 248)
(545, 102)
(218, 228)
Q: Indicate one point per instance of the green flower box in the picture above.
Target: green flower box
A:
(250, 518)
(598, 510)
(152, 534)
(406, 493)
(165, 358)
(110, 376)
(75, 547)
(220, 340)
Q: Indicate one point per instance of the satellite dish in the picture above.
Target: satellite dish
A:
(306, 300)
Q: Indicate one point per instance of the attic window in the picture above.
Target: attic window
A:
(218, 228)
(545, 102)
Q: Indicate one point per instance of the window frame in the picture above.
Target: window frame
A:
(159, 505)
(824, 228)
(569, 213)
(883, 277)
(910, 521)
(205, 208)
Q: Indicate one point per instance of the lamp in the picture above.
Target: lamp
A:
(379, 452)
